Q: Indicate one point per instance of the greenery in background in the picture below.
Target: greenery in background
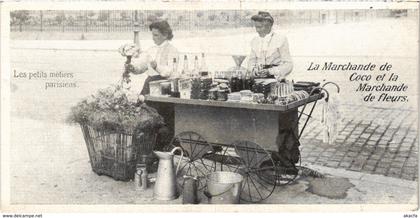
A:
(177, 19)
(113, 109)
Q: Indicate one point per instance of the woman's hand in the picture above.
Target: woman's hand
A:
(129, 68)
(153, 64)
(263, 73)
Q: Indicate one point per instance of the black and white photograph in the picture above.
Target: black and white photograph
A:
(206, 106)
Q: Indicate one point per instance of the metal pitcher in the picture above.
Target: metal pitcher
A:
(166, 186)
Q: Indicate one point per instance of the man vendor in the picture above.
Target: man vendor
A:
(270, 58)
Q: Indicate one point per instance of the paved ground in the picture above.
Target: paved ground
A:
(372, 140)
(57, 171)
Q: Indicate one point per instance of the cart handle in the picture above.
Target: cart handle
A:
(335, 84)
(322, 89)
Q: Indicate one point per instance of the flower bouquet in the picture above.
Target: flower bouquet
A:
(118, 128)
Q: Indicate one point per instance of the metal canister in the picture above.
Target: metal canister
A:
(165, 88)
(140, 177)
(222, 95)
(189, 195)
(174, 88)
(213, 94)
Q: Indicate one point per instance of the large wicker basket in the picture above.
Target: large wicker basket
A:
(116, 154)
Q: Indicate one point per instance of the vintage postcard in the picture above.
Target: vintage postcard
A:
(241, 106)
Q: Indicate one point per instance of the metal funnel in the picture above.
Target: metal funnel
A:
(238, 59)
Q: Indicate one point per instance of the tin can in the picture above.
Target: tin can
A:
(222, 95)
(213, 94)
(140, 177)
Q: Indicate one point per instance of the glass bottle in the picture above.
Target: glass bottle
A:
(247, 81)
(234, 82)
(175, 80)
(185, 70)
(203, 67)
(196, 67)
(241, 81)
(174, 68)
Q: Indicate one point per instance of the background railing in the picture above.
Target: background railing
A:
(123, 20)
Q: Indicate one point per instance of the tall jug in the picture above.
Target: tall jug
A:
(166, 186)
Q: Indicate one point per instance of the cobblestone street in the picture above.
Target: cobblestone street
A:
(372, 140)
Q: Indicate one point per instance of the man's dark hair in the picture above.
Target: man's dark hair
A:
(163, 27)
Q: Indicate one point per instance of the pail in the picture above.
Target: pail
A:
(224, 187)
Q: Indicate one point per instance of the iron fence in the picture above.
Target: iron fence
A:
(123, 20)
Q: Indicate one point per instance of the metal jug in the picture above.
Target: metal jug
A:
(189, 193)
(166, 186)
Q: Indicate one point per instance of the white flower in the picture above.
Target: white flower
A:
(90, 99)
(130, 49)
(132, 97)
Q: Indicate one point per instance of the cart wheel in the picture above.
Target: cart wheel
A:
(285, 171)
(254, 161)
(195, 149)
(229, 161)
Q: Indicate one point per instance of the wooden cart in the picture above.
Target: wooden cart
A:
(241, 137)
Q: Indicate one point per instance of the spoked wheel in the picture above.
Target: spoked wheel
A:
(230, 161)
(251, 161)
(193, 163)
(284, 173)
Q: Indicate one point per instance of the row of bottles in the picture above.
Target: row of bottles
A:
(241, 82)
(238, 79)
(199, 70)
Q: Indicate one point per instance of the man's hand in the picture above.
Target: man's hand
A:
(153, 64)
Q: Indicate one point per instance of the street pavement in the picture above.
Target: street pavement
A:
(57, 171)
(372, 140)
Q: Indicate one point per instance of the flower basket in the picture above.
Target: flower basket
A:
(118, 132)
(116, 154)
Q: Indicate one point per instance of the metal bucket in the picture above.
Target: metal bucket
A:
(224, 187)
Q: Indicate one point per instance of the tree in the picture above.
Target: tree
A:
(212, 17)
(60, 18)
(91, 14)
(70, 20)
(159, 13)
(80, 17)
(124, 16)
(103, 16)
(151, 18)
(19, 17)
(236, 16)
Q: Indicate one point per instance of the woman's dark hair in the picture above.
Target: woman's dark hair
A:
(163, 28)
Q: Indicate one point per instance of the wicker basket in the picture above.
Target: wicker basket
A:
(116, 154)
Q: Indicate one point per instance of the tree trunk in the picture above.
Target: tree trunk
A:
(41, 18)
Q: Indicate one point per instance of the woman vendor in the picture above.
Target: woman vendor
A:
(270, 58)
(157, 61)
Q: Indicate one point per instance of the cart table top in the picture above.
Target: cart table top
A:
(230, 104)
